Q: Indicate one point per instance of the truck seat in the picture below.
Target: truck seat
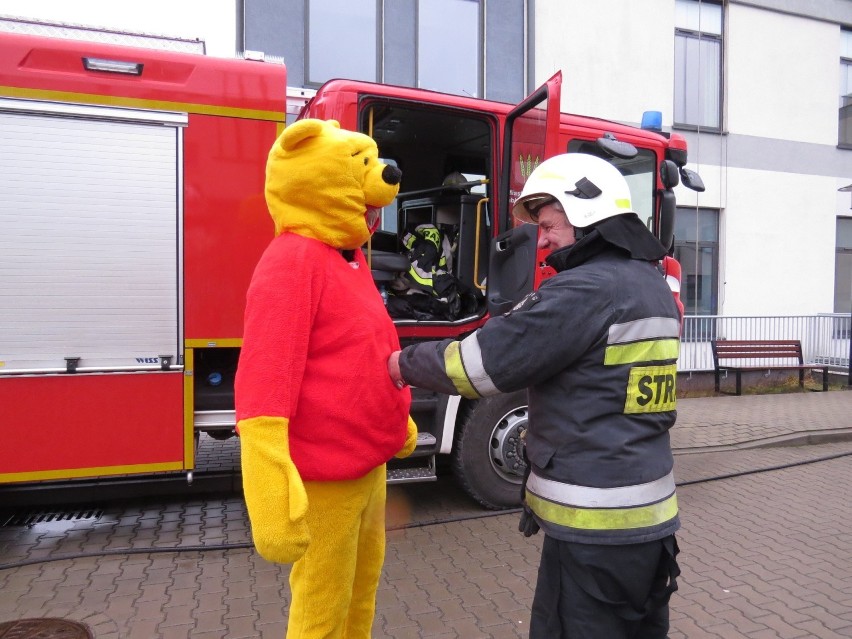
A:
(386, 266)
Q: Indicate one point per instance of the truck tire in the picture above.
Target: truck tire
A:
(222, 435)
(487, 459)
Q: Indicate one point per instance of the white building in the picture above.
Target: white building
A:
(753, 85)
(761, 89)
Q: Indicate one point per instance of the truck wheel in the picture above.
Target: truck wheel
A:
(487, 459)
(221, 435)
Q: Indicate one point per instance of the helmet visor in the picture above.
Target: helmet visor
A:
(535, 203)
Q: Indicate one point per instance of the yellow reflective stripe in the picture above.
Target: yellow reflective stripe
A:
(651, 389)
(592, 497)
(648, 351)
(455, 371)
(604, 518)
(425, 281)
(471, 356)
(622, 203)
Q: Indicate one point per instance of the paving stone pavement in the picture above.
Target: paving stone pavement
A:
(766, 547)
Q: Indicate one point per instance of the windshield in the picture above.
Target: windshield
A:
(640, 173)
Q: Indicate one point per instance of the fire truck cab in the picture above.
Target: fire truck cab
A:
(492, 259)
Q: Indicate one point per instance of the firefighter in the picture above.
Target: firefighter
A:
(596, 348)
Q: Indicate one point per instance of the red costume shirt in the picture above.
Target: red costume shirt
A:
(316, 343)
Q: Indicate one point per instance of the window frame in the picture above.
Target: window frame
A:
(480, 50)
(840, 249)
(702, 36)
(845, 64)
(697, 246)
(378, 17)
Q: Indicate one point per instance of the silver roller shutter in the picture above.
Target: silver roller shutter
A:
(90, 214)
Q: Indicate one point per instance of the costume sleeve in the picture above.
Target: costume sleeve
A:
(545, 332)
(280, 307)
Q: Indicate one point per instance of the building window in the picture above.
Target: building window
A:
(449, 46)
(843, 266)
(328, 57)
(845, 137)
(697, 250)
(698, 64)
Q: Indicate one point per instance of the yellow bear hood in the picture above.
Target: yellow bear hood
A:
(321, 181)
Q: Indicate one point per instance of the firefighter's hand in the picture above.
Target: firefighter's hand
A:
(528, 524)
(410, 440)
(393, 370)
(275, 495)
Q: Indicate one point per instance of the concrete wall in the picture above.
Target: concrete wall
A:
(616, 56)
(782, 76)
(780, 163)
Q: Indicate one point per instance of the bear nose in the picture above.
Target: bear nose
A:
(391, 174)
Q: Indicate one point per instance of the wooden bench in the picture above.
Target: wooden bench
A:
(757, 353)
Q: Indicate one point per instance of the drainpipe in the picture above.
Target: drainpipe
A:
(847, 188)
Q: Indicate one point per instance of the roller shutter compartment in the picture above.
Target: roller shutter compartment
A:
(90, 214)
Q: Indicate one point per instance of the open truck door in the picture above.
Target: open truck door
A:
(530, 135)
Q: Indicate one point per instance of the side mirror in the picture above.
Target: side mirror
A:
(668, 174)
(692, 180)
(668, 209)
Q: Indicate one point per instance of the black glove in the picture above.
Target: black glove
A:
(528, 524)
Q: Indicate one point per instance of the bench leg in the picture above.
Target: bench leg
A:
(825, 379)
(716, 376)
(739, 383)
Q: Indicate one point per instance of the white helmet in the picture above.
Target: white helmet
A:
(588, 188)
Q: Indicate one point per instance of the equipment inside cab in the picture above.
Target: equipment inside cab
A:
(429, 257)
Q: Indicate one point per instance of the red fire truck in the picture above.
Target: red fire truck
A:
(133, 215)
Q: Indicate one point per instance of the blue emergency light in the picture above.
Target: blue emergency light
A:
(652, 120)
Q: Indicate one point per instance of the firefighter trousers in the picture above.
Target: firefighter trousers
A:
(334, 584)
(587, 591)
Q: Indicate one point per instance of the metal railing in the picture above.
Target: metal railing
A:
(825, 337)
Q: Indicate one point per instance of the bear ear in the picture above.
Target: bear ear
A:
(301, 130)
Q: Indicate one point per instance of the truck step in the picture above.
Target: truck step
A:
(418, 466)
(426, 439)
(412, 475)
(426, 446)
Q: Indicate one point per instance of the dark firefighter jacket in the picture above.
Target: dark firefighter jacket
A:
(596, 347)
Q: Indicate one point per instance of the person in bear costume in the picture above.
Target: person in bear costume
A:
(317, 415)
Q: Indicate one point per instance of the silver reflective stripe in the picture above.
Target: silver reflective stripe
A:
(643, 329)
(472, 359)
(673, 283)
(588, 497)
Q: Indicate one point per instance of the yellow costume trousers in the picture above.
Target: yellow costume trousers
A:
(334, 584)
